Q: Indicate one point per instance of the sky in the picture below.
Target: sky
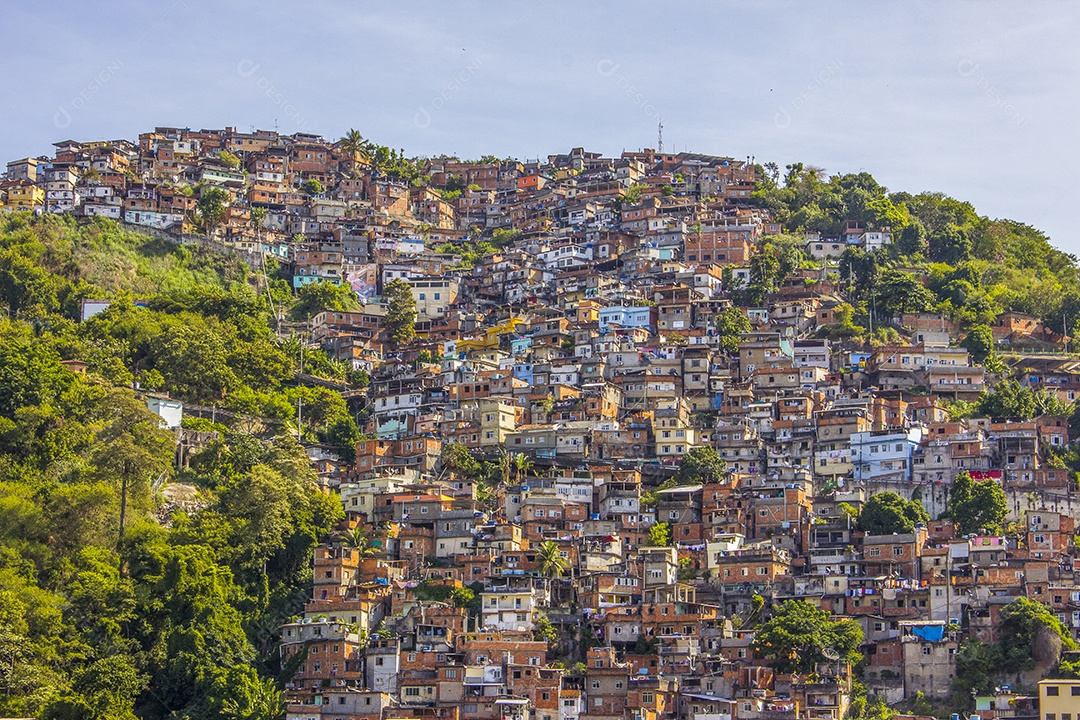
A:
(978, 100)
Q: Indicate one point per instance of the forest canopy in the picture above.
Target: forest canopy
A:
(116, 602)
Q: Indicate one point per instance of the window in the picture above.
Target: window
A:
(1052, 690)
(1076, 691)
(647, 697)
(926, 650)
(897, 550)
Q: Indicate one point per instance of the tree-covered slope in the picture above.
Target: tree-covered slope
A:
(977, 267)
(107, 619)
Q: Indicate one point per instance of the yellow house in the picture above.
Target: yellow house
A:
(1059, 699)
(588, 311)
(25, 197)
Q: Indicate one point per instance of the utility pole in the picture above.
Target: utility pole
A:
(948, 584)
(300, 400)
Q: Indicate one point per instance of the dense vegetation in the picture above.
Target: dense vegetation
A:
(974, 267)
(1030, 637)
(116, 600)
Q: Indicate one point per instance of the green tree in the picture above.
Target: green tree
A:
(977, 665)
(502, 238)
(1030, 633)
(976, 505)
(132, 451)
(859, 270)
(313, 298)
(912, 240)
(258, 217)
(980, 343)
(357, 539)
(660, 534)
(899, 292)
(523, 465)
(700, 465)
(886, 513)
(355, 147)
(550, 561)
(312, 187)
(797, 636)
(194, 362)
(212, 206)
(764, 267)
(400, 319)
(544, 630)
(343, 435)
(105, 690)
(1009, 398)
(730, 325)
(458, 459)
(232, 161)
(789, 256)
(950, 245)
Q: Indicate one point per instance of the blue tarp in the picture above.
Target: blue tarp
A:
(929, 633)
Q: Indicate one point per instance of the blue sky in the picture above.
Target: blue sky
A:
(976, 99)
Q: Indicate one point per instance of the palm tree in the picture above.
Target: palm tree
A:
(505, 463)
(258, 216)
(522, 465)
(550, 562)
(358, 540)
(356, 146)
(547, 404)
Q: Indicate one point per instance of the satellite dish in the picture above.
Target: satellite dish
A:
(831, 654)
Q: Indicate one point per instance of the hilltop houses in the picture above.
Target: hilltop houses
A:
(568, 340)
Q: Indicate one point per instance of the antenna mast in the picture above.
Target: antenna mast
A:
(660, 136)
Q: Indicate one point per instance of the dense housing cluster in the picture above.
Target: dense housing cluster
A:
(613, 418)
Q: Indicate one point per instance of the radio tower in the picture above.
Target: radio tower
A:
(660, 136)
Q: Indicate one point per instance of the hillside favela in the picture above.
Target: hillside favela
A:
(307, 428)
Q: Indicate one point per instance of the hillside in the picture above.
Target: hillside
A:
(142, 581)
(105, 612)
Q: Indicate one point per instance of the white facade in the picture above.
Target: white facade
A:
(507, 610)
(625, 316)
(875, 454)
(171, 412)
